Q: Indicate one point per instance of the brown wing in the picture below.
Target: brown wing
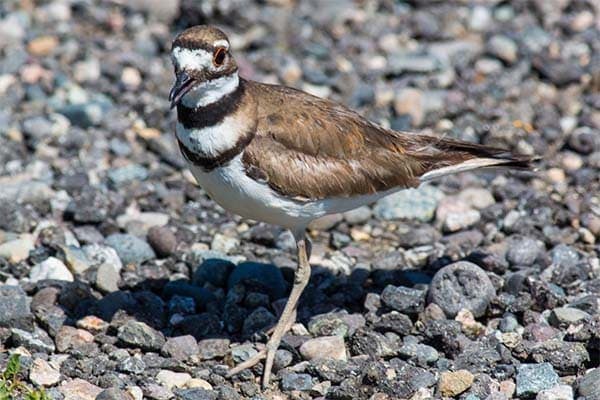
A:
(313, 148)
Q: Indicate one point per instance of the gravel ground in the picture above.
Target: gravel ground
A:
(119, 278)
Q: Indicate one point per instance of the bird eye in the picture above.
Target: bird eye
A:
(219, 56)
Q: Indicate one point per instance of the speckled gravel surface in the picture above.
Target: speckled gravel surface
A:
(119, 278)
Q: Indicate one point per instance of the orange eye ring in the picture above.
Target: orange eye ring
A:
(219, 56)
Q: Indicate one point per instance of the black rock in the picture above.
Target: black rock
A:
(213, 270)
(394, 322)
(196, 394)
(461, 285)
(266, 277)
(200, 295)
(258, 320)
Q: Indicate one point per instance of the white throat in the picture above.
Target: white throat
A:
(211, 91)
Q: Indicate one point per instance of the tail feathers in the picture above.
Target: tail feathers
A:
(455, 156)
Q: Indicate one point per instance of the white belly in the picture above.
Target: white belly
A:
(233, 190)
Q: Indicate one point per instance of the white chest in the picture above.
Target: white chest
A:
(211, 140)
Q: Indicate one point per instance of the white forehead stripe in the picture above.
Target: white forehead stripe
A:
(196, 59)
(221, 43)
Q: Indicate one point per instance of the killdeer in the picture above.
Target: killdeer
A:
(276, 154)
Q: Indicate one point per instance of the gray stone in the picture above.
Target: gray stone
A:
(461, 285)
(121, 176)
(564, 316)
(131, 249)
(107, 278)
(403, 299)
(114, 394)
(180, 347)
(14, 308)
(523, 251)
(419, 204)
(213, 348)
(358, 216)
(503, 47)
(138, 334)
(564, 256)
(196, 394)
(38, 340)
(243, 352)
(98, 254)
(533, 378)
(588, 386)
(293, 381)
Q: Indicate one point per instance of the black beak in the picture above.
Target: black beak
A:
(183, 84)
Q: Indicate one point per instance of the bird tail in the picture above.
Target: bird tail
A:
(442, 157)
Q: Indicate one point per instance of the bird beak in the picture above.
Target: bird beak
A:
(183, 84)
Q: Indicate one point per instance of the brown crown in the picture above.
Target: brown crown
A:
(199, 37)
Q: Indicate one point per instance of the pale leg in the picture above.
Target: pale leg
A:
(288, 316)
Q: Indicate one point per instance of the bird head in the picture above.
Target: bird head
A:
(204, 67)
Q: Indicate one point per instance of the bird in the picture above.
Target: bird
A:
(282, 156)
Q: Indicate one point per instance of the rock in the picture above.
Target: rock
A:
(198, 383)
(69, 338)
(212, 348)
(258, 320)
(523, 251)
(14, 308)
(461, 285)
(180, 347)
(224, 244)
(114, 394)
(107, 278)
(330, 324)
(587, 385)
(565, 357)
(162, 240)
(196, 394)
(43, 374)
(243, 352)
(403, 299)
(282, 359)
(419, 204)
(564, 316)
(533, 378)
(457, 221)
(51, 268)
(182, 288)
(42, 45)
(131, 78)
(138, 334)
(17, 250)
(324, 347)
(38, 340)
(293, 381)
(358, 216)
(139, 223)
(78, 389)
(454, 383)
(422, 353)
(564, 256)
(161, 11)
(558, 392)
(216, 271)
(372, 344)
(87, 114)
(132, 365)
(504, 48)
(410, 101)
(118, 177)
(172, 379)
(98, 255)
(76, 259)
(157, 392)
(264, 276)
(131, 249)
(394, 322)
(182, 305)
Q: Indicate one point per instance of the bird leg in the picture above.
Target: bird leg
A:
(287, 319)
